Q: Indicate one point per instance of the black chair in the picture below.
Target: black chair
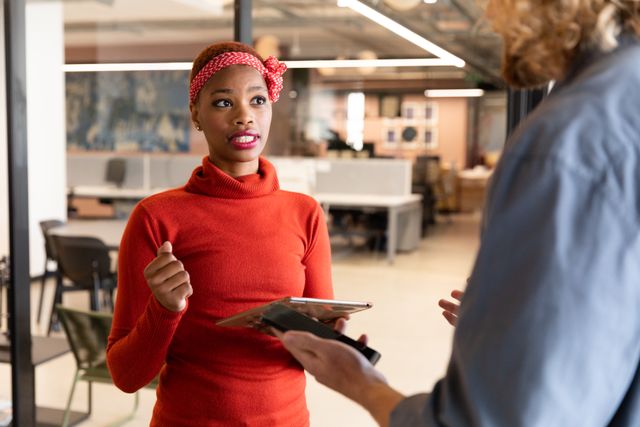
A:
(355, 228)
(116, 171)
(425, 175)
(87, 333)
(50, 257)
(86, 265)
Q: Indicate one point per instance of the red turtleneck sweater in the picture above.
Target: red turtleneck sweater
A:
(244, 243)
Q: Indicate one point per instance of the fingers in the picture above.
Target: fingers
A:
(168, 280)
(164, 257)
(449, 306)
(451, 318)
(457, 294)
(364, 339)
(180, 295)
(340, 325)
(166, 247)
(170, 277)
(301, 346)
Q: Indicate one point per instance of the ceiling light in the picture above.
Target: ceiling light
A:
(453, 93)
(431, 1)
(214, 7)
(402, 31)
(328, 63)
(366, 63)
(140, 66)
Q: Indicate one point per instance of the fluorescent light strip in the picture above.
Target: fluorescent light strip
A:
(402, 31)
(453, 93)
(214, 7)
(363, 63)
(329, 63)
(140, 66)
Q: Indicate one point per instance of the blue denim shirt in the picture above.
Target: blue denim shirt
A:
(549, 329)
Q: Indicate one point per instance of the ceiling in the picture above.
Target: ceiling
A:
(149, 30)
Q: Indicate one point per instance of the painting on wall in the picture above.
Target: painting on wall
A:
(128, 111)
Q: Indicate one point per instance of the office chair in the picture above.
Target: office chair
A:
(50, 256)
(87, 333)
(425, 176)
(116, 171)
(86, 264)
(356, 228)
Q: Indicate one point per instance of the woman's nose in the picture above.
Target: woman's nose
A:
(244, 116)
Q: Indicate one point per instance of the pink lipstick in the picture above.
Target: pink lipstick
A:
(244, 140)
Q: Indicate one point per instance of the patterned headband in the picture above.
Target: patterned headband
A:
(271, 71)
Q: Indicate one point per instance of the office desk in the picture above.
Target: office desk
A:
(44, 349)
(108, 230)
(122, 200)
(115, 193)
(394, 205)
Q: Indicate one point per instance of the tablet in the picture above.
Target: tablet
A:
(285, 319)
(322, 309)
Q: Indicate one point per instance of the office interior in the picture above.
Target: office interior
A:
(398, 155)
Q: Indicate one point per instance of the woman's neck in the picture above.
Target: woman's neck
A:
(236, 169)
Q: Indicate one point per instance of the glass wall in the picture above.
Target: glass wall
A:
(147, 111)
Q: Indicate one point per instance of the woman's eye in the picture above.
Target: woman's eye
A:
(259, 100)
(222, 103)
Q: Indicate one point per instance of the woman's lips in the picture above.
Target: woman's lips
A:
(244, 140)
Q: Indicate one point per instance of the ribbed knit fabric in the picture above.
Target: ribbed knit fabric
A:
(244, 243)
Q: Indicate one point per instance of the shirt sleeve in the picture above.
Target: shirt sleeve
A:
(142, 328)
(317, 259)
(548, 329)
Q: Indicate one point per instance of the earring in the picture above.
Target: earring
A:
(198, 128)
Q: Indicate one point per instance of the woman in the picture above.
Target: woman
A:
(228, 240)
(547, 331)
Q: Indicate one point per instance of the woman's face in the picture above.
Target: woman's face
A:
(234, 112)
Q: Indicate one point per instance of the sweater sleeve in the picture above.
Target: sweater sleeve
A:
(142, 329)
(317, 259)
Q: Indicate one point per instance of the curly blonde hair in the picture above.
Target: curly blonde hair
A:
(543, 37)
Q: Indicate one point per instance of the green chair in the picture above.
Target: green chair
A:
(87, 333)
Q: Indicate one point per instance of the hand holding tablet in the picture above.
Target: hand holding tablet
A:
(303, 314)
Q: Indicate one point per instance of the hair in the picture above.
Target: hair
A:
(216, 49)
(542, 38)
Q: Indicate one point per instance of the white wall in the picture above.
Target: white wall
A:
(4, 191)
(45, 121)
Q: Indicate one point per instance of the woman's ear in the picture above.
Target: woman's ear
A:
(193, 108)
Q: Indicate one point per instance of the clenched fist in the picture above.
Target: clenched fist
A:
(168, 280)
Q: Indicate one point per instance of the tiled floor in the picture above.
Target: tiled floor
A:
(405, 325)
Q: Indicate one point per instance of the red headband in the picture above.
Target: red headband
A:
(271, 71)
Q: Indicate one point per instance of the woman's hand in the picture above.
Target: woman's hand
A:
(168, 280)
(451, 307)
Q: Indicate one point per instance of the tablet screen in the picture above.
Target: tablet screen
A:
(321, 309)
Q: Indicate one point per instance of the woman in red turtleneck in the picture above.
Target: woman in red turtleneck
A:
(227, 241)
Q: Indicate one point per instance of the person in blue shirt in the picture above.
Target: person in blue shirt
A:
(548, 332)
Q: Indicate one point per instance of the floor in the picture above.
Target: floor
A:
(405, 326)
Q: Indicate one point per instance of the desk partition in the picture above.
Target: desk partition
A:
(376, 177)
(383, 177)
(383, 184)
(171, 171)
(91, 169)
